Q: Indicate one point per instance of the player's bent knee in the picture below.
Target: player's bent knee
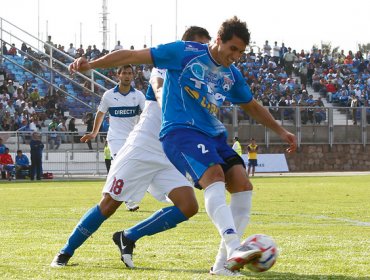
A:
(108, 205)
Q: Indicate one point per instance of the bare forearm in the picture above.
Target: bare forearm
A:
(262, 116)
(97, 122)
(122, 57)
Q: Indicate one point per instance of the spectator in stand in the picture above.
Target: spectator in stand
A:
(22, 163)
(88, 52)
(36, 156)
(283, 51)
(7, 164)
(73, 131)
(54, 139)
(48, 44)
(23, 49)
(267, 50)
(6, 123)
(2, 147)
(71, 50)
(62, 127)
(5, 49)
(319, 112)
(25, 131)
(40, 111)
(276, 53)
(30, 109)
(13, 50)
(34, 124)
(10, 108)
(34, 96)
(331, 90)
(94, 53)
(80, 51)
(54, 124)
(289, 59)
(355, 103)
(2, 111)
(303, 70)
(118, 46)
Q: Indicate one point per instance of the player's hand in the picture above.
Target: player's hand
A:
(292, 141)
(79, 65)
(87, 137)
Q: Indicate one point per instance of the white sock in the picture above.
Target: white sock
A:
(221, 215)
(240, 206)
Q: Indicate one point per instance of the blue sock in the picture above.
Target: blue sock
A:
(161, 220)
(88, 224)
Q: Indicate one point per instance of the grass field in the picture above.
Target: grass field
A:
(321, 225)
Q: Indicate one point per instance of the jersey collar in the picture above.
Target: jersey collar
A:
(116, 89)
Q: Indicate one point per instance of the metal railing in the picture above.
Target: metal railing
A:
(55, 66)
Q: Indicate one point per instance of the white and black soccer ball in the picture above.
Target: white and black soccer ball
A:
(269, 252)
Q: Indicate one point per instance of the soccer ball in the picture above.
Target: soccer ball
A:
(269, 252)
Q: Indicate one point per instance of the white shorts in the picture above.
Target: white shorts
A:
(135, 171)
(115, 145)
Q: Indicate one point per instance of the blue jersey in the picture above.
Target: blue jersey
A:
(195, 87)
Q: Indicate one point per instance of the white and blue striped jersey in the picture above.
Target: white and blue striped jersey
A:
(124, 110)
(195, 87)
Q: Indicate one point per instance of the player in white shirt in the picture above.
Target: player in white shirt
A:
(124, 104)
(139, 166)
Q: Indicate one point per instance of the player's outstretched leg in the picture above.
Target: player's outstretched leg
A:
(161, 220)
(88, 224)
(240, 206)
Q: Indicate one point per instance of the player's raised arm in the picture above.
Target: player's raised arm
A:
(114, 59)
(261, 115)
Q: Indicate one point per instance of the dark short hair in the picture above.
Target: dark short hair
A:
(124, 67)
(236, 138)
(19, 151)
(194, 31)
(234, 26)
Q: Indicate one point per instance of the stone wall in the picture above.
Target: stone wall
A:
(340, 157)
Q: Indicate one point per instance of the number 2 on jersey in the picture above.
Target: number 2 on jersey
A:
(203, 148)
(117, 186)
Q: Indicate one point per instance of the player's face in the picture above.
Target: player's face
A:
(230, 51)
(126, 76)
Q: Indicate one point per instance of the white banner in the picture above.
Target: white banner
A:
(269, 162)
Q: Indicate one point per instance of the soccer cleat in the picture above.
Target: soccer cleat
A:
(131, 206)
(242, 256)
(60, 260)
(225, 272)
(125, 246)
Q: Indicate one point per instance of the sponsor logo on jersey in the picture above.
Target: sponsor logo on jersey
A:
(198, 70)
(227, 83)
(124, 111)
(202, 100)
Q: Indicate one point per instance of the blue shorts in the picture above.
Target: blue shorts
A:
(193, 152)
(252, 162)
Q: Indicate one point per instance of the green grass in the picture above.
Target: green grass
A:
(321, 225)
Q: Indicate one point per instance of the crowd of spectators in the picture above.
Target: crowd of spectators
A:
(279, 78)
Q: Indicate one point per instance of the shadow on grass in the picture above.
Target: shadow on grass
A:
(264, 275)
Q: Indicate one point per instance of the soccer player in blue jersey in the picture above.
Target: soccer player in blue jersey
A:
(199, 79)
(140, 164)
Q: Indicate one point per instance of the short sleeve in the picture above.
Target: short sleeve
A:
(168, 56)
